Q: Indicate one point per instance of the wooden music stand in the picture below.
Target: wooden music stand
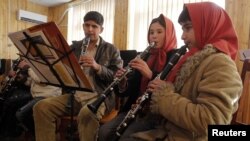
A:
(51, 58)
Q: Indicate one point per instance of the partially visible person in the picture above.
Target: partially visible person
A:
(99, 62)
(14, 94)
(25, 91)
(38, 92)
(204, 86)
(162, 32)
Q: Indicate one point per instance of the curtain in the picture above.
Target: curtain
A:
(77, 12)
(141, 12)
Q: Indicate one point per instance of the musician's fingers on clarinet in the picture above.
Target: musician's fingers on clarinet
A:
(133, 105)
(85, 57)
(22, 64)
(138, 64)
(11, 73)
(155, 85)
(137, 101)
(135, 59)
(87, 61)
(120, 72)
(80, 60)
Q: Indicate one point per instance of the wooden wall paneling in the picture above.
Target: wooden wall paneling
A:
(238, 12)
(36, 9)
(14, 25)
(59, 15)
(3, 27)
(9, 23)
(120, 27)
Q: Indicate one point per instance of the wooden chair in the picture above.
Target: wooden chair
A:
(242, 115)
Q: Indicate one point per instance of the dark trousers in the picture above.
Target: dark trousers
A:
(13, 101)
(107, 131)
(25, 115)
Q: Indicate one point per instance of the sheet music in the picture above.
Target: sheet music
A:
(55, 51)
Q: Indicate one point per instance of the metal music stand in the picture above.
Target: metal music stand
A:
(49, 55)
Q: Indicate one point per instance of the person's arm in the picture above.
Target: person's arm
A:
(108, 57)
(142, 67)
(210, 96)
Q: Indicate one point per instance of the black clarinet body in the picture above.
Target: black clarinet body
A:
(96, 104)
(146, 96)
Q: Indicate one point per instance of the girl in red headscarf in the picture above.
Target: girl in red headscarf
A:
(161, 32)
(204, 87)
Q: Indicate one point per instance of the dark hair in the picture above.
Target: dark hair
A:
(184, 16)
(160, 20)
(94, 16)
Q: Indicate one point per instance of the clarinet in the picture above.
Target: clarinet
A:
(146, 96)
(96, 104)
(85, 45)
(6, 86)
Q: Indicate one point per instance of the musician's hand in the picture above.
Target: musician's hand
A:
(23, 64)
(133, 106)
(156, 85)
(142, 67)
(11, 73)
(89, 61)
(119, 73)
(158, 96)
(138, 100)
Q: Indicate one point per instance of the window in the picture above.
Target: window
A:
(76, 14)
(141, 13)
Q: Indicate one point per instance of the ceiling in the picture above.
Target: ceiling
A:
(50, 3)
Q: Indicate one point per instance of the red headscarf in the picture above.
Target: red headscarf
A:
(158, 56)
(213, 26)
